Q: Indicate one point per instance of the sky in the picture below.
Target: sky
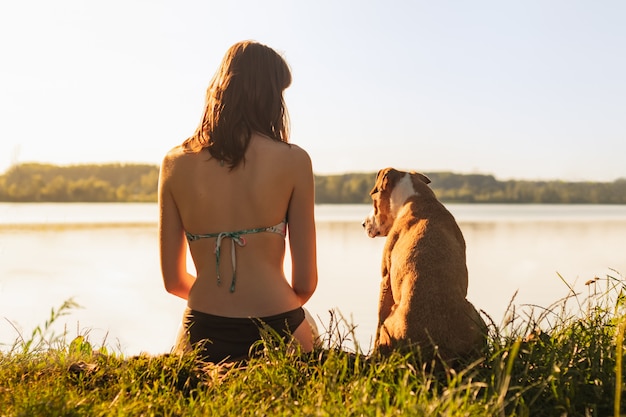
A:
(528, 89)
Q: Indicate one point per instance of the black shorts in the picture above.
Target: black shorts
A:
(219, 338)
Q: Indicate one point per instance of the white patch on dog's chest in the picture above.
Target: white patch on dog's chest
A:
(401, 192)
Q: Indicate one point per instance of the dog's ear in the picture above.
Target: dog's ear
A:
(382, 177)
(390, 175)
(375, 189)
(384, 173)
(424, 178)
(420, 177)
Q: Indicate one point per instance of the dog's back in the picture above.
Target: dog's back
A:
(425, 280)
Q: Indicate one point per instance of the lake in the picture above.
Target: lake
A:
(104, 256)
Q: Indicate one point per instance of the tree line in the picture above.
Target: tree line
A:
(34, 182)
(116, 182)
(479, 188)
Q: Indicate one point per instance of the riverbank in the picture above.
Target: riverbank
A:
(563, 359)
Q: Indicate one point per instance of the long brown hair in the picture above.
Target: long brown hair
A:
(244, 96)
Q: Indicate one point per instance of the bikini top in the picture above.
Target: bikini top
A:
(236, 239)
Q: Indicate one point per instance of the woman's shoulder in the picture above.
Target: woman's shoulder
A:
(176, 152)
(286, 155)
(175, 156)
(298, 155)
(175, 160)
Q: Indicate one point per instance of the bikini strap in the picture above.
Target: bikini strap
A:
(236, 238)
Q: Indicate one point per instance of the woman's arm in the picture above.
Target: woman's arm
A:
(172, 243)
(301, 220)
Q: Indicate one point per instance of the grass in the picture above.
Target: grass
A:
(560, 360)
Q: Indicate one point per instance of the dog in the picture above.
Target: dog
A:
(424, 273)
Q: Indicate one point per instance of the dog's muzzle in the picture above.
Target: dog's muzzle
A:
(370, 225)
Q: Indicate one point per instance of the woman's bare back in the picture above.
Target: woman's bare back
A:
(211, 198)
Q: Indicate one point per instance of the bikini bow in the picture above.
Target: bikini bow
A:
(236, 239)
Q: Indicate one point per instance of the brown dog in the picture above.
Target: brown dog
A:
(424, 274)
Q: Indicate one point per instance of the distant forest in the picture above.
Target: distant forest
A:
(34, 182)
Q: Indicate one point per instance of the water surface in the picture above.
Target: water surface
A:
(105, 257)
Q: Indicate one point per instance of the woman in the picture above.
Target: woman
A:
(230, 193)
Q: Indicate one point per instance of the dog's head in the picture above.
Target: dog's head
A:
(392, 189)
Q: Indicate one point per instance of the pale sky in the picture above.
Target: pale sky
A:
(530, 89)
